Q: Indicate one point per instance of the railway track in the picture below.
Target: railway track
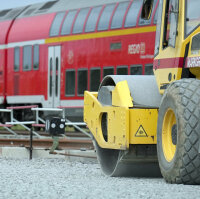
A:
(64, 143)
(70, 134)
(71, 140)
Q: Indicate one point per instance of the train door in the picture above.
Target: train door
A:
(54, 62)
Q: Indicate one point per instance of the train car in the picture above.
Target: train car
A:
(50, 53)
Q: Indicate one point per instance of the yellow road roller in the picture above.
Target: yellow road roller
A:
(150, 125)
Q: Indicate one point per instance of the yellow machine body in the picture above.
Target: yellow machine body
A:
(178, 51)
(126, 125)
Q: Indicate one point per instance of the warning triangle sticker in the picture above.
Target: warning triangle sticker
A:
(141, 132)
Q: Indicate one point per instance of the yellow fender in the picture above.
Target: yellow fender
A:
(117, 116)
(125, 124)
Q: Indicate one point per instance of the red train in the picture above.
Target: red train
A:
(51, 52)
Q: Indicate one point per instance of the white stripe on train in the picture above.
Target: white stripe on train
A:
(22, 43)
(39, 99)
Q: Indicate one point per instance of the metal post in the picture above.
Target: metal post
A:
(37, 115)
(31, 142)
(11, 115)
(63, 112)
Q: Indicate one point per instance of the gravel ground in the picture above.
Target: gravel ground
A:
(58, 178)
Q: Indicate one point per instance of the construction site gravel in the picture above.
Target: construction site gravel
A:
(59, 178)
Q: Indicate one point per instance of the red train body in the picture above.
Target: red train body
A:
(50, 53)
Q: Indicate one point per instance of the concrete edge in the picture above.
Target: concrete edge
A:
(84, 156)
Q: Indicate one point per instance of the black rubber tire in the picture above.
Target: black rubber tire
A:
(183, 97)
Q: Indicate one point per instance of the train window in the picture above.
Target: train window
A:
(122, 70)
(48, 5)
(36, 54)
(108, 71)
(80, 21)
(115, 46)
(136, 70)
(70, 82)
(82, 81)
(27, 58)
(147, 10)
(95, 78)
(105, 17)
(4, 12)
(149, 69)
(92, 19)
(17, 59)
(131, 17)
(55, 27)
(118, 16)
(12, 14)
(29, 12)
(67, 24)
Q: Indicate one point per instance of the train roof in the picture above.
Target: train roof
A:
(51, 7)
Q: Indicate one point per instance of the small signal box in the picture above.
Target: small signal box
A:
(55, 126)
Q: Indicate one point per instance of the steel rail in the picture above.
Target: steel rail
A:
(47, 143)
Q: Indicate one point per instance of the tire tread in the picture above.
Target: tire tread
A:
(187, 95)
